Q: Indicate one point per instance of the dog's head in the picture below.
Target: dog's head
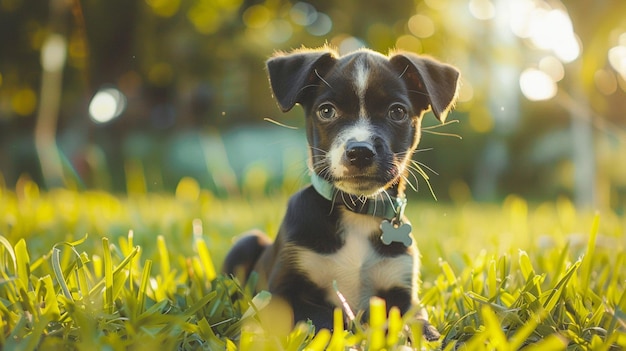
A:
(363, 110)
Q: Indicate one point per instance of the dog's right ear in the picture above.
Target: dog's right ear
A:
(292, 75)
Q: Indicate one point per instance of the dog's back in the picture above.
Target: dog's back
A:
(243, 256)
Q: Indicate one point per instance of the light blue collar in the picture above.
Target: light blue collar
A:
(388, 208)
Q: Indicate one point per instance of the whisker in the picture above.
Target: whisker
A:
(425, 166)
(429, 129)
(418, 92)
(408, 181)
(435, 126)
(388, 197)
(334, 199)
(403, 72)
(273, 121)
(422, 150)
(375, 204)
(322, 79)
(416, 166)
(320, 150)
(444, 134)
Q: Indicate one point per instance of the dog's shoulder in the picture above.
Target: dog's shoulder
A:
(311, 222)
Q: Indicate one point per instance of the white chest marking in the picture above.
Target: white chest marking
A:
(358, 270)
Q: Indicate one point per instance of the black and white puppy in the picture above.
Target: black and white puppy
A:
(346, 232)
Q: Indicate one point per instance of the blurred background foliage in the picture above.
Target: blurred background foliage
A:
(132, 96)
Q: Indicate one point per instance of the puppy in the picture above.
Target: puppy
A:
(344, 239)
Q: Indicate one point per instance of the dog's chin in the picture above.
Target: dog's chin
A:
(361, 186)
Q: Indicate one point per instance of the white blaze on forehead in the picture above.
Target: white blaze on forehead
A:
(361, 78)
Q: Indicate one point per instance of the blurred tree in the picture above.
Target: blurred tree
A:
(184, 65)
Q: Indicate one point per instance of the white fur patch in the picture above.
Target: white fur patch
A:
(358, 270)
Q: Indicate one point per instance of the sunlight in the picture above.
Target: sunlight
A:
(552, 30)
(546, 28)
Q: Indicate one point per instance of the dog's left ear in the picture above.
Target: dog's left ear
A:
(431, 83)
(293, 76)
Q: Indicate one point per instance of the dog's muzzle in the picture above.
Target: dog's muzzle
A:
(360, 154)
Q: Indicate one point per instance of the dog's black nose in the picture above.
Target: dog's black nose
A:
(360, 154)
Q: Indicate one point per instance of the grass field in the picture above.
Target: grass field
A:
(94, 271)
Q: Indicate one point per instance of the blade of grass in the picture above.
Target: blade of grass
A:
(9, 249)
(587, 267)
(336, 340)
(523, 333)
(493, 329)
(552, 342)
(377, 323)
(164, 258)
(394, 326)
(50, 306)
(108, 276)
(23, 264)
(319, 342)
(558, 290)
(143, 286)
(58, 273)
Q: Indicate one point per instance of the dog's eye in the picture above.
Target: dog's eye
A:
(326, 112)
(397, 112)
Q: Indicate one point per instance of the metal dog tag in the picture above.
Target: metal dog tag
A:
(396, 232)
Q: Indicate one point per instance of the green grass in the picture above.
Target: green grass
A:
(91, 270)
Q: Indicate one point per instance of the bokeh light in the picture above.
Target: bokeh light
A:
(349, 44)
(164, 8)
(546, 28)
(322, 25)
(24, 102)
(605, 81)
(54, 53)
(256, 16)
(482, 9)
(279, 31)
(107, 104)
(537, 85)
(617, 59)
(421, 26)
(552, 67)
(409, 43)
(303, 13)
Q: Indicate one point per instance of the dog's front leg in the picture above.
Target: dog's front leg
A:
(403, 299)
(307, 301)
(320, 315)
